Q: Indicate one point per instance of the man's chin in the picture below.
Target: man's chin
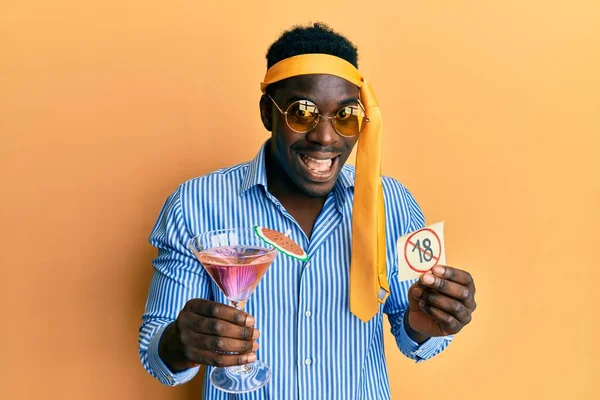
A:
(317, 190)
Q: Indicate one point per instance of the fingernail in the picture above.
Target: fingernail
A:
(250, 320)
(428, 279)
(439, 270)
(251, 357)
(256, 334)
(255, 346)
(417, 292)
(422, 304)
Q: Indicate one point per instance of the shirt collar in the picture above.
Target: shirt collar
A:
(256, 174)
(344, 182)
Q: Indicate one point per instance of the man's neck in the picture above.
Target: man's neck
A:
(305, 209)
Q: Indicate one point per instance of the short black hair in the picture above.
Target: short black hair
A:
(313, 38)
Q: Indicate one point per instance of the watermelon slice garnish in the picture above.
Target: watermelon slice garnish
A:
(281, 242)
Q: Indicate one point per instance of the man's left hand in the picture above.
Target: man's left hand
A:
(440, 303)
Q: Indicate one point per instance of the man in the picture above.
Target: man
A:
(315, 334)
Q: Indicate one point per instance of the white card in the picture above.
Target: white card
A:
(420, 251)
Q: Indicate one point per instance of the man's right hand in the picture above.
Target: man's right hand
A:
(204, 332)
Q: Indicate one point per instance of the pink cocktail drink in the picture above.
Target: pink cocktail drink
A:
(237, 269)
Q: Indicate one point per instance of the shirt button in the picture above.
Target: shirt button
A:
(308, 361)
(308, 313)
(307, 265)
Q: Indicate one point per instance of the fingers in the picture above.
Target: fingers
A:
(450, 306)
(215, 334)
(218, 327)
(455, 275)
(215, 319)
(457, 289)
(448, 324)
(217, 351)
(447, 296)
(219, 311)
(220, 344)
(209, 357)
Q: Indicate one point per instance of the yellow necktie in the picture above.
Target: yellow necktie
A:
(368, 278)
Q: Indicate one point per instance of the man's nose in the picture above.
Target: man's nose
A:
(324, 133)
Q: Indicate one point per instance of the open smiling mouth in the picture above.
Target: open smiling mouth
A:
(319, 168)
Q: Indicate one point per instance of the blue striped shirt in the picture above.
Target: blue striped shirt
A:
(315, 347)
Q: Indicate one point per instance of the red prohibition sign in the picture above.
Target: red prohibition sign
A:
(435, 257)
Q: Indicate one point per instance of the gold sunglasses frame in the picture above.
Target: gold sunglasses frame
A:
(319, 116)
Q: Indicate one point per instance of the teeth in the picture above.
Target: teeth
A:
(315, 165)
(328, 161)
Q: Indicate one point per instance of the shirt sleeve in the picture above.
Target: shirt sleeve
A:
(396, 305)
(178, 277)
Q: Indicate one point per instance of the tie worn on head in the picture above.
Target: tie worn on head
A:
(368, 279)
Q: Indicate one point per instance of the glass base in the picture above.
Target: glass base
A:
(242, 379)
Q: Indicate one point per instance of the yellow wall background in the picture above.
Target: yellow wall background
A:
(492, 119)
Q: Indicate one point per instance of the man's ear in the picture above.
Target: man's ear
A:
(266, 112)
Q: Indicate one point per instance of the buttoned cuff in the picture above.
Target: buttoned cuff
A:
(161, 371)
(423, 351)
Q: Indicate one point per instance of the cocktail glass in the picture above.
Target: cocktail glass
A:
(236, 260)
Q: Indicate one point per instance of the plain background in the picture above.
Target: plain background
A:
(491, 118)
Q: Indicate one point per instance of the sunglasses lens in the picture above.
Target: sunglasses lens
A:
(350, 120)
(302, 116)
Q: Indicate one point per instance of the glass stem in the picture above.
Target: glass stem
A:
(239, 369)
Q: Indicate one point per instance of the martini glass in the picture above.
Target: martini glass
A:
(236, 260)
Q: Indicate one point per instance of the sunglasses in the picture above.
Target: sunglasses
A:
(302, 116)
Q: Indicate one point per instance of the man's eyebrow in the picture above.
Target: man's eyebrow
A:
(349, 100)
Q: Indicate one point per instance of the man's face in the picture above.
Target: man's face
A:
(311, 160)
